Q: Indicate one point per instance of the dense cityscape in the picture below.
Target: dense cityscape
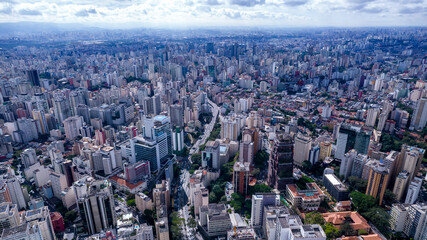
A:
(281, 134)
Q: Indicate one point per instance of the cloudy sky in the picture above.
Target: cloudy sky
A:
(199, 13)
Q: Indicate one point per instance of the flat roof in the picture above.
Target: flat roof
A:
(333, 179)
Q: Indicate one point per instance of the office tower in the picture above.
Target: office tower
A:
(400, 185)
(352, 137)
(419, 119)
(162, 229)
(280, 164)
(143, 202)
(372, 117)
(41, 217)
(27, 129)
(398, 215)
(347, 163)
(83, 111)
(259, 201)
(325, 150)
(59, 183)
(61, 107)
(241, 177)
(302, 148)
(29, 157)
(40, 118)
(335, 187)
(377, 182)
(24, 231)
(95, 204)
(161, 196)
(210, 156)
(246, 153)
(72, 126)
(176, 112)
(33, 77)
(14, 190)
(9, 216)
(155, 144)
(413, 190)
(415, 221)
(230, 129)
(214, 220)
(178, 140)
(313, 155)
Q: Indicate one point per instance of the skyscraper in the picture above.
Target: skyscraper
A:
(241, 177)
(377, 182)
(280, 164)
(40, 118)
(33, 77)
(419, 119)
(372, 117)
(95, 204)
(352, 137)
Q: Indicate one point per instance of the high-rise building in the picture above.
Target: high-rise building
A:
(210, 155)
(398, 215)
(95, 203)
(24, 231)
(41, 217)
(241, 177)
(176, 112)
(302, 148)
(27, 129)
(178, 140)
(12, 188)
(358, 164)
(162, 229)
(155, 144)
(325, 150)
(419, 119)
(347, 163)
(143, 202)
(352, 137)
(259, 201)
(9, 215)
(161, 195)
(413, 190)
(29, 157)
(40, 118)
(214, 220)
(33, 77)
(400, 185)
(59, 183)
(415, 221)
(372, 117)
(230, 129)
(280, 164)
(377, 182)
(335, 187)
(72, 126)
(313, 155)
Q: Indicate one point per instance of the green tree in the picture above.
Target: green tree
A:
(259, 188)
(363, 202)
(380, 218)
(196, 158)
(314, 218)
(331, 231)
(362, 232)
(346, 229)
(357, 183)
(389, 197)
(306, 165)
(131, 203)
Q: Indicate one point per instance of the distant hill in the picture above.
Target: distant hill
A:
(31, 27)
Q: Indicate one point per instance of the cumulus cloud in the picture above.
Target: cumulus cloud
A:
(86, 12)
(294, 3)
(247, 3)
(6, 10)
(30, 12)
(212, 2)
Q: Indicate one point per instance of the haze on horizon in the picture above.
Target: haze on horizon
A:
(219, 13)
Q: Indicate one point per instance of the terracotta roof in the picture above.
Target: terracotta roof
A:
(338, 218)
(123, 182)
